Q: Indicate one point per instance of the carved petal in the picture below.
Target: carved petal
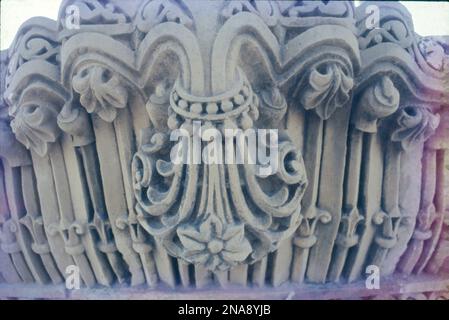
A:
(415, 125)
(234, 232)
(100, 92)
(35, 127)
(237, 251)
(197, 257)
(327, 90)
(191, 240)
(187, 235)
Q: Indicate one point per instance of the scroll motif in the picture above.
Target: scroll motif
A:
(328, 89)
(221, 224)
(378, 101)
(290, 13)
(395, 26)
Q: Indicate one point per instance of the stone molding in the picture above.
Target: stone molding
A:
(86, 114)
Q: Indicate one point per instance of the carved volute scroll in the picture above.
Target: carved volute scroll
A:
(115, 154)
(196, 231)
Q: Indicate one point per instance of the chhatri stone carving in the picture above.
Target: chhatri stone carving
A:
(114, 146)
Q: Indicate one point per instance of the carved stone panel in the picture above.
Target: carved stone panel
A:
(214, 143)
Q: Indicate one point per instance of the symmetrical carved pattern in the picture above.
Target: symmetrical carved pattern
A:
(115, 154)
(327, 90)
(168, 202)
(100, 92)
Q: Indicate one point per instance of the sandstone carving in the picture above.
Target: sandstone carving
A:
(93, 116)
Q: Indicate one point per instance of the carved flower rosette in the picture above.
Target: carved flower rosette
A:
(216, 212)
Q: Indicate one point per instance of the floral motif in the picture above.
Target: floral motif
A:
(101, 91)
(215, 245)
(175, 207)
(415, 125)
(35, 127)
(328, 90)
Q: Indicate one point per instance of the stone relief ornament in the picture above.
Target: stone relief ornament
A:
(201, 144)
(328, 89)
(414, 125)
(214, 244)
(100, 92)
(34, 127)
(213, 225)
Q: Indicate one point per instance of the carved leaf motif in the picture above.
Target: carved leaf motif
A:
(269, 202)
(394, 31)
(101, 92)
(415, 125)
(215, 245)
(35, 127)
(327, 90)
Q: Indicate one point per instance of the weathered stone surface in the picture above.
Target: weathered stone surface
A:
(87, 113)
